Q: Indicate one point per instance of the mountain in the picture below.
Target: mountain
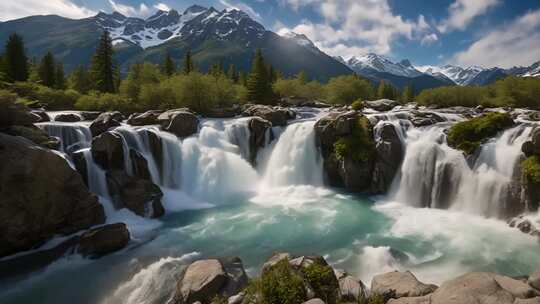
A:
(457, 74)
(227, 36)
(304, 41)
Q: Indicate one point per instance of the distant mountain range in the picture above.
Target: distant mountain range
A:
(229, 37)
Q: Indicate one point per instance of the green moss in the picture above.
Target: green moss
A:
(468, 135)
(279, 285)
(322, 279)
(531, 169)
(358, 105)
(360, 145)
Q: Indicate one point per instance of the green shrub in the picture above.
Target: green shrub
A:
(323, 281)
(358, 105)
(360, 145)
(531, 169)
(346, 89)
(468, 135)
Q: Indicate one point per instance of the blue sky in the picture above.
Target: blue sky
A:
(464, 32)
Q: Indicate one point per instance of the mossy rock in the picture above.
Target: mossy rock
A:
(531, 169)
(322, 279)
(469, 135)
(359, 145)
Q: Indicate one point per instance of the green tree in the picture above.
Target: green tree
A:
(103, 70)
(408, 94)
(216, 69)
(139, 74)
(232, 73)
(189, 66)
(346, 89)
(79, 80)
(258, 83)
(242, 78)
(15, 58)
(169, 66)
(47, 70)
(302, 77)
(60, 77)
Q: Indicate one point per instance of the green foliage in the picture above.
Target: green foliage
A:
(408, 94)
(373, 299)
(79, 80)
(297, 87)
(16, 62)
(189, 65)
(531, 169)
(259, 82)
(279, 285)
(140, 74)
(359, 146)
(103, 70)
(468, 135)
(169, 66)
(47, 70)
(97, 101)
(49, 98)
(59, 76)
(358, 105)
(322, 279)
(386, 90)
(346, 89)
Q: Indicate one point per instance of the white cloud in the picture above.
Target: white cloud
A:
(13, 9)
(429, 39)
(142, 11)
(352, 27)
(462, 12)
(241, 7)
(162, 7)
(517, 43)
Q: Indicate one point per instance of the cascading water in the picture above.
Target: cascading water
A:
(73, 136)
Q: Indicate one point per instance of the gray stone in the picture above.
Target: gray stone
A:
(106, 121)
(202, 281)
(382, 104)
(182, 123)
(314, 301)
(103, 240)
(534, 279)
(401, 284)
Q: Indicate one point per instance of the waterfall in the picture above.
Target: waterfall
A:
(73, 136)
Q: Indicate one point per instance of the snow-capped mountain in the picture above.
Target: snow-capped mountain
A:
(167, 25)
(302, 40)
(457, 74)
(372, 63)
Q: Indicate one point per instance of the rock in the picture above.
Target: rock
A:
(524, 226)
(89, 115)
(517, 288)
(314, 301)
(80, 165)
(222, 112)
(15, 114)
(389, 155)
(382, 105)
(106, 121)
(202, 281)
(156, 147)
(535, 139)
(421, 119)
(139, 165)
(237, 299)
(411, 300)
(274, 259)
(43, 116)
(179, 122)
(534, 116)
(278, 116)
(535, 300)
(401, 284)
(138, 195)
(146, 118)
(103, 240)
(534, 279)
(528, 148)
(108, 151)
(59, 202)
(351, 289)
(35, 134)
(257, 136)
(237, 278)
(67, 117)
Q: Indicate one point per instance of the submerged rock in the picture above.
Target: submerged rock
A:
(257, 136)
(103, 240)
(42, 196)
(389, 155)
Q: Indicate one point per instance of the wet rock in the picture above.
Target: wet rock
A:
(202, 281)
(351, 289)
(143, 119)
(103, 240)
(108, 151)
(534, 116)
(222, 112)
(80, 165)
(34, 134)
(237, 278)
(89, 115)
(389, 154)
(139, 165)
(58, 203)
(382, 105)
(278, 116)
(67, 117)
(314, 301)
(138, 195)
(257, 136)
(156, 147)
(106, 121)
(15, 113)
(43, 116)
(524, 226)
(400, 284)
(534, 279)
(180, 122)
(421, 119)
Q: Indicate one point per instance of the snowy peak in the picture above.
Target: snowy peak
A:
(302, 40)
(371, 63)
(457, 74)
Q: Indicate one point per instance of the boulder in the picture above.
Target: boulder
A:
(43, 116)
(14, 113)
(89, 115)
(143, 119)
(155, 146)
(389, 154)
(534, 116)
(400, 284)
(106, 121)
(274, 259)
(58, 203)
(351, 289)
(67, 117)
(314, 301)
(382, 105)
(257, 136)
(421, 119)
(138, 195)
(411, 300)
(108, 151)
(237, 278)
(35, 134)
(180, 122)
(278, 116)
(79, 161)
(535, 139)
(103, 240)
(202, 281)
(534, 279)
(535, 300)
(139, 165)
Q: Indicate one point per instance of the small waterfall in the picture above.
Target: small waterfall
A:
(73, 136)
(295, 159)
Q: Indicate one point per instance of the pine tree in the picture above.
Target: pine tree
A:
(381, 89)
(302, 77)
(103, 70)
(242, 78)
(60, 78)
(47, 70)
(408, 94)
(169, 66)
(3, 69)
(272, 75)
(79, 80)
(259, 85)
(232, 73)
(216, 69)
(15, 59)
(189, 66)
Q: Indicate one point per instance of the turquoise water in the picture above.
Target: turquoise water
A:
(353, 233)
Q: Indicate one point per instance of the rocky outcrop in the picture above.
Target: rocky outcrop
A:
(138, 195)
(103, 240)
(144, 119)
(400, 284)
(389, 154)
(43, 116)
(35, 134)
(351, 289)
(180, 122)
(422, 119)
(278, 116)
(203, 280)
(68, 117)
(58, 203)
(257, 136)
(381, 105)
(15, 113)
(108, 151)
(139, 165)
(106, 121)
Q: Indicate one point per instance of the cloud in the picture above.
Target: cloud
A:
(241, 7)
(429, 39)
(13, 9)
(462, 12)
(352, 27)
(142, 11)
(162, 7)
(517, 43)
